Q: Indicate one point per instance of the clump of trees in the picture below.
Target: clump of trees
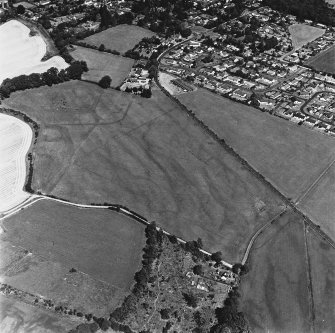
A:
(105, 82)
(152, 251)
(50, 77)
(20, 9)
(230, 319)
(318, 11)
(191, 300)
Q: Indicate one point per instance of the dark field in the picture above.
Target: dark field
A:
(146, 154)
(121, 38)
(101, 64)
(19, 317)
(101, 243)
(324, 61)
(275, 295)
(290, 156)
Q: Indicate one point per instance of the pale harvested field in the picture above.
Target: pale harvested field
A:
(22, 54)
(319, 203)
(121, 38)
(290, 156)
(102, 243)
(15, 140)
(19, 317)
(98, 146)
(52, 280)
(100, 64)
(302, 34)
(275, 295)
(322, 259)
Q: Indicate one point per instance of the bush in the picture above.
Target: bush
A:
(105, 82)
(20, 9)
(216, 256)
(191, 300)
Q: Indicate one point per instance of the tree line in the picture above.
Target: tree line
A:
(315, 10)
(50, 77)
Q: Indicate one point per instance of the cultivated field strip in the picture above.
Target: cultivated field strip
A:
(15, 140)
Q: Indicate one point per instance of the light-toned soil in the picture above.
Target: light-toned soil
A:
(290, 156)
(15, 140)
(121, 38)
(165, 80)
(97, 145)
(101, 64)
(19, 317)
(302, 34)
(22, 54)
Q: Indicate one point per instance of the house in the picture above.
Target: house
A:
(202, 286)
(310, 122)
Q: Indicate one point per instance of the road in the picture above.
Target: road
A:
(257, 233)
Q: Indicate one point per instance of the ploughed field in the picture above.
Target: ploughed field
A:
(15, 140)
(22, 54)
(100, 64)
(120, 38)
(147, 154)
(102, 243)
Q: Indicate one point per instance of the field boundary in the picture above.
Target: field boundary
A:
(309, 278)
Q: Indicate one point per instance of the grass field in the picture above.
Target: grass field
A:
(302, 34)
(18, 317)
(319, 203)
(290, 156)
(40, 276)
(98, 146)
(324, 61)
(275, 294)
(101, 243)
(101, 64)
(322, 259)
(121, 38)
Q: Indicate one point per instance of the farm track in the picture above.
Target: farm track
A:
(309, 279)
